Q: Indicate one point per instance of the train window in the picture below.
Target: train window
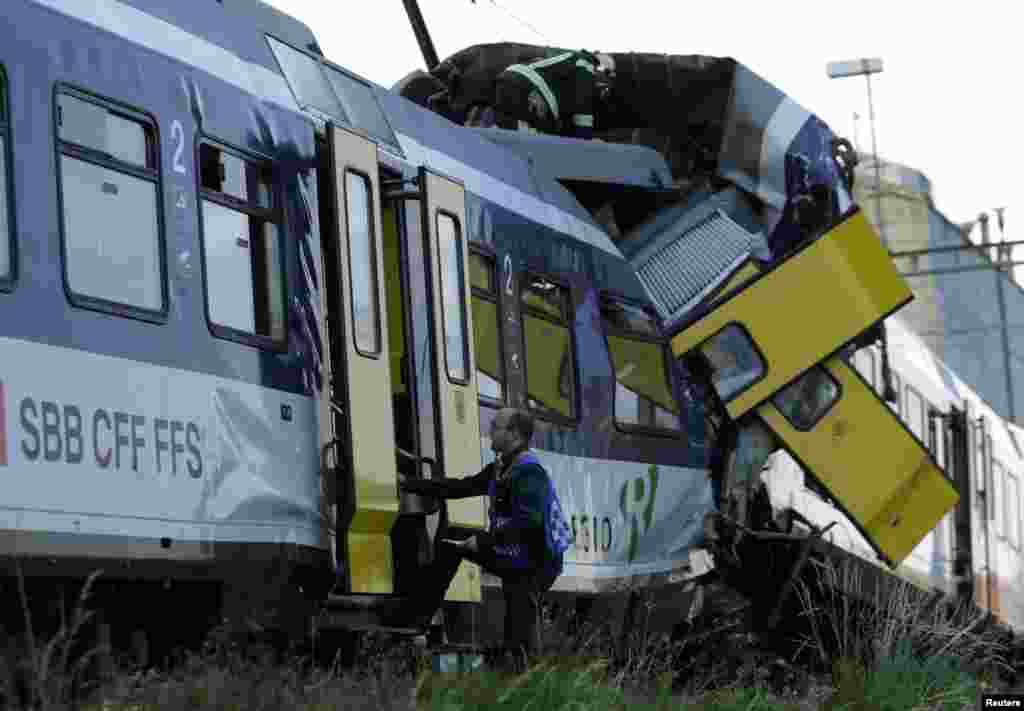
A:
(990, 480)
(643, 391)
(1012, 512)
(897, 388)
(361, 105)
(550, 364)
(95, 127)
(362, 264)
(866, 366)
(6, 237)
(808, 398)
(108, 166)
(449, 249)
(490, 377)
(932, 430)
(243, 257)
(734, 359)
(996, 514)
(236, 177)
(979, 459)
(306, 80)
(915, 413)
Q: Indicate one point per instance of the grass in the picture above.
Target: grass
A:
(905, 652)
(898, 656)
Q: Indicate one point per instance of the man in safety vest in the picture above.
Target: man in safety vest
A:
(554, 95)
(526, 539)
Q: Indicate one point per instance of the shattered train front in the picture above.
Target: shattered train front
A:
(762, 270)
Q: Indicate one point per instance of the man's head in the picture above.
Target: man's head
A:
(511, 429)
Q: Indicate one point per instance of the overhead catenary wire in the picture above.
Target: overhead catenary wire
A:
(520, 20)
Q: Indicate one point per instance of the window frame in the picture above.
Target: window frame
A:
(464, 305)
(922, 436)
(388, 143)
(757, 349)
(999, 486)
(495, 298)
(523, 310)
(8, 282)
(1011, 523)
(824, 412)
(990, 483)
(896, 381)
(275, 214)
(375, 248)
(94, 157)
(667, 362)
(872, 377)
(978, 459)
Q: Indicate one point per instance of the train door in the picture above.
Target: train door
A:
(357, 424)
(881, 475)
(455, 411)
(434, 391)
(764, 362)
(755, 336)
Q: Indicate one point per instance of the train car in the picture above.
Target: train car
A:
(243, 290)
(759, 266)
(974, 551)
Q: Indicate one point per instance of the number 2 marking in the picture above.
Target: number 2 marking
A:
(178, 135)
(507, 265)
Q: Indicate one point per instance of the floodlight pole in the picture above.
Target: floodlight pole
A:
(878, 168)
(867, 67)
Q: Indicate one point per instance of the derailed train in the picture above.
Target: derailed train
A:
(243, 289)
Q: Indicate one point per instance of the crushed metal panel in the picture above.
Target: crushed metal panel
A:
(882, 477)
(591, 161)
(681, 272)
(806, 307)
(747, 270)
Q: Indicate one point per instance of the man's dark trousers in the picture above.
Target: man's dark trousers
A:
(521, 588)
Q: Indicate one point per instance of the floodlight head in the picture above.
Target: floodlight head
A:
(854, 67)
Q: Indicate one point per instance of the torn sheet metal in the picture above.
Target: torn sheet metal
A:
(708, 116)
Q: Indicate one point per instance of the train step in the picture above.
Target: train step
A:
(369, 612)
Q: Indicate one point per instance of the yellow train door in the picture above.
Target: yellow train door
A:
(455, 385)
(363, 387)
(881, 475)
(770, 342)
(762, 334)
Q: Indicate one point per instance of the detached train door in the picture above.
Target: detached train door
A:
(357, 426)
(766, 362)
(457, 418)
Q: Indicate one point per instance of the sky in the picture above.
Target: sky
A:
(948, 102)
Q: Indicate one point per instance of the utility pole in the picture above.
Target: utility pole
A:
(1001, 276)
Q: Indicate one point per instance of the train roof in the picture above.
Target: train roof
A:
(228, 39)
